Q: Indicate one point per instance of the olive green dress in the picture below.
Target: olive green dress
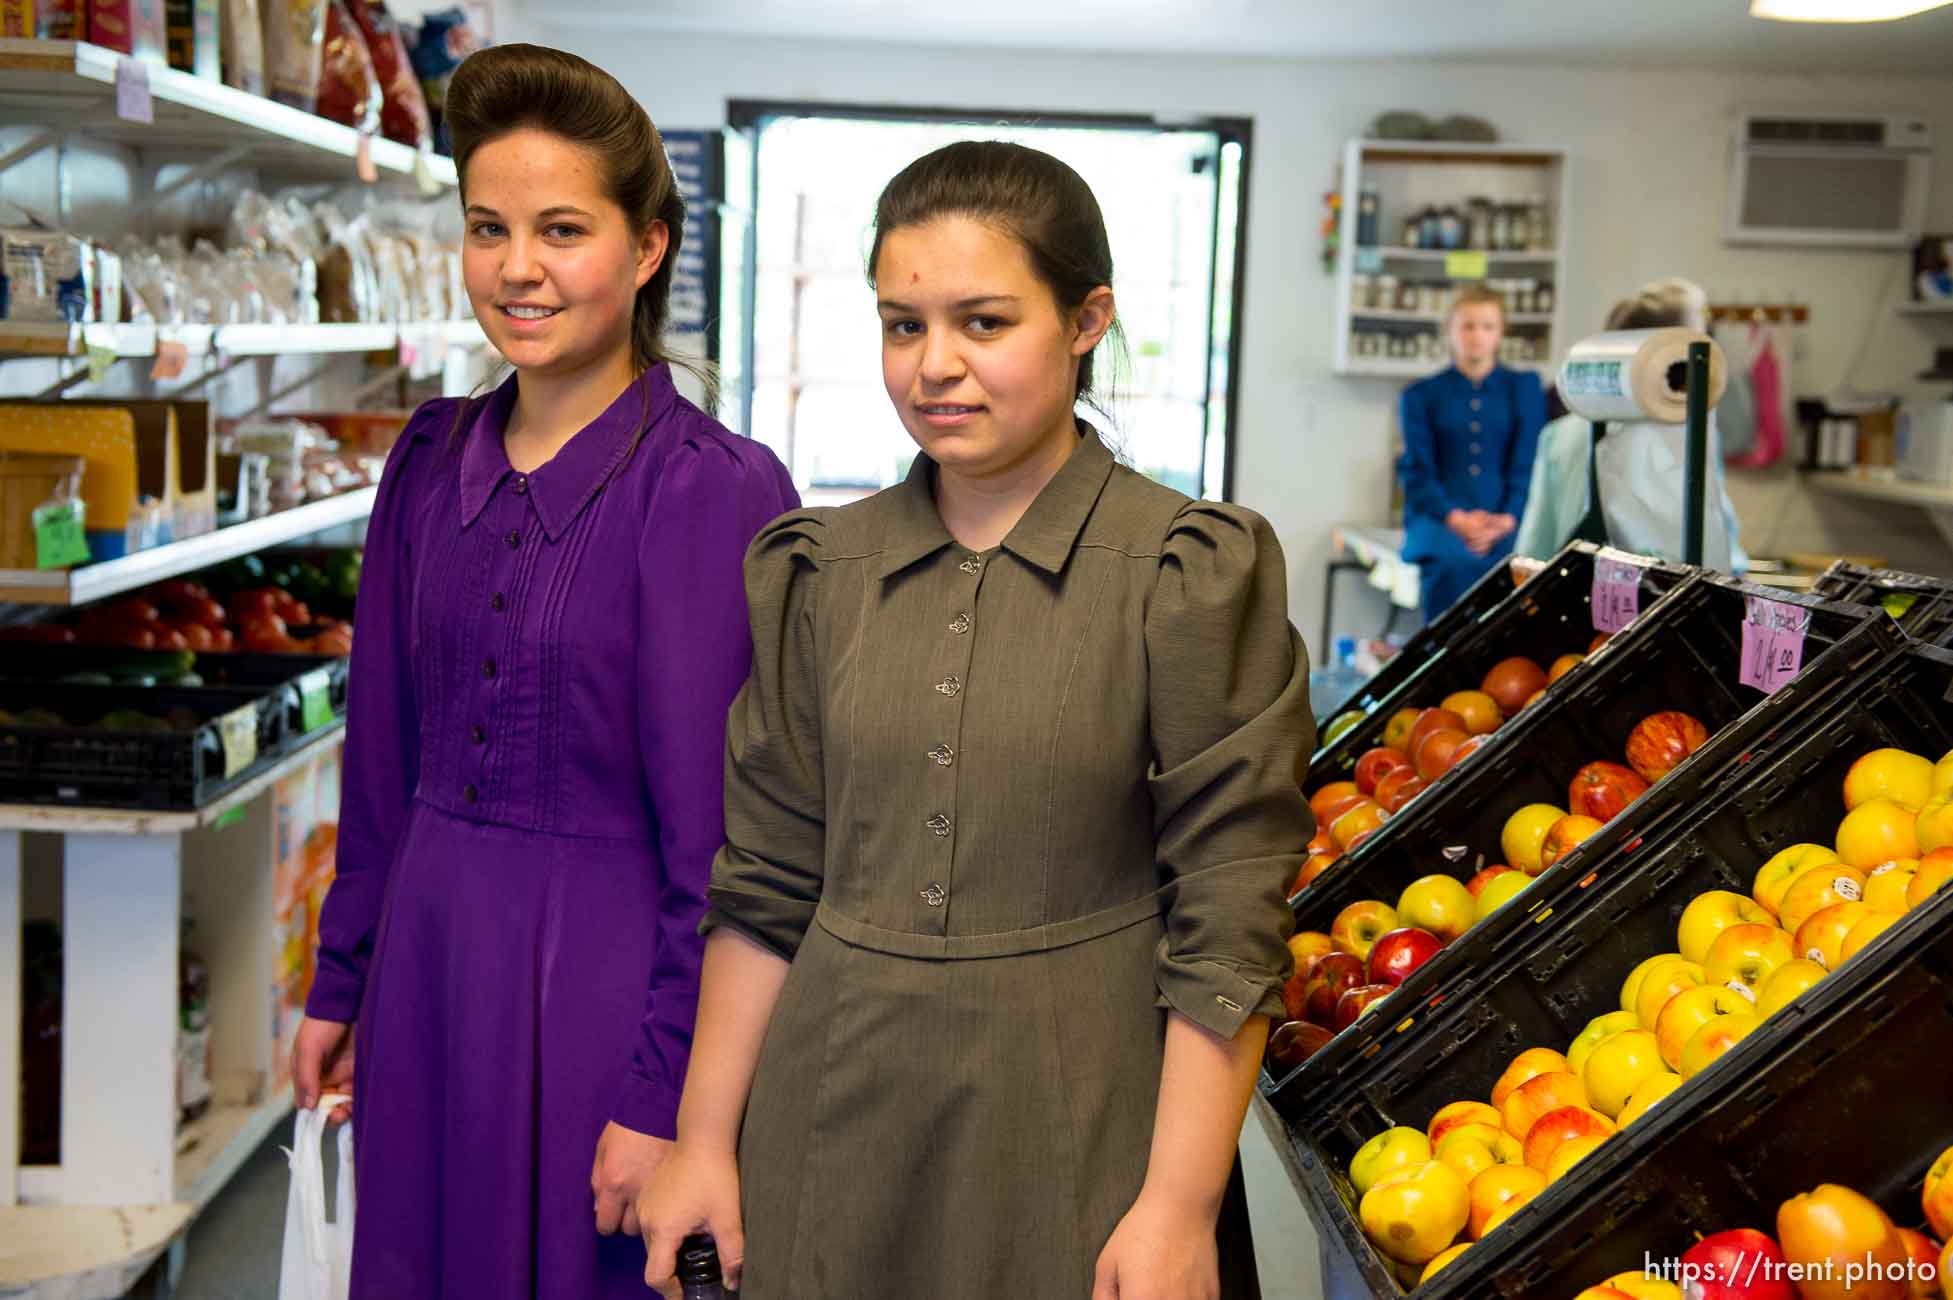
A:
(1001, 811)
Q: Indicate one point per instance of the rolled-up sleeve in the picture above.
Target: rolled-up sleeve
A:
(1232, 733)
(766, 879)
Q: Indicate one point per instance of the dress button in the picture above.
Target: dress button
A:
(1475, 403)
(939, 824)
(971, 565)
(522, 485)
(960, 624)
(949, 686)
(943, 755)
(934, 895)
(515, 539)
(477, 735)
(1475, 449)
(496, 602)
(1473, 471)
(488, 668)
(1474, 426)
(469, 794)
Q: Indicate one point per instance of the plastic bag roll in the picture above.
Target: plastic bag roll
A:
(1637, 375)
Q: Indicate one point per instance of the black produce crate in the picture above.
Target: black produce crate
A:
(1551, 615)
(1848, 1084)
(1681, 654)
(1923, 605)
(1485, 595)
(87, 765)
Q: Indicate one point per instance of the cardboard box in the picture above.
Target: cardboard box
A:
(176, 464)
(305, 830)
(17, 19)
(132, 27)
(105, 437)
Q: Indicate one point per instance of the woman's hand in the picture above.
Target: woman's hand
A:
(692, 1191)
(1160, 1251)
(322, 1062)
(625, 1161)
(1478, 530)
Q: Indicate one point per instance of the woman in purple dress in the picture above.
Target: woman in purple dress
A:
(551, 627)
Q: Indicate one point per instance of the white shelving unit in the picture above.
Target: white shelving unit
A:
(132, 341)
(1408, 176)
(1926, 309)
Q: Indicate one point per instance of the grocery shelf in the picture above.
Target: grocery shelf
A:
(94, 582)
(215, 1146)
(1943, 308)
(62, 83)
(86, 1251)
(1435, 317)
(1399, 254)
(230, 340)
(1422, 368)
(1853, 483)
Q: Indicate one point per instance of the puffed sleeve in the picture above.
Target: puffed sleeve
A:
(380, 765)
(714, 495)
(766, 880)
(1232, 734)
(1418, 467)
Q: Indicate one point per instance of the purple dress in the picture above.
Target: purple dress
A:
(532, 799)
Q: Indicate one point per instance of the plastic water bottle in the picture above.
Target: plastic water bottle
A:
(698, 1269)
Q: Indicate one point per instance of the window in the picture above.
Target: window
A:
(804, 376)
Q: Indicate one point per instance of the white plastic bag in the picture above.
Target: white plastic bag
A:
(318, 1255)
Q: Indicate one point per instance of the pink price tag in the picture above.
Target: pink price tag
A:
(132, 102)
(1617, 594)
(1773, 643)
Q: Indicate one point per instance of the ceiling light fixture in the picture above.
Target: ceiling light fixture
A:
(1840, 11)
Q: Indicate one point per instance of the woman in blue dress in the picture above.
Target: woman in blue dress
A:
(1469, 435)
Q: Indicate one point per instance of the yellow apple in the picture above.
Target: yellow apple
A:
(1459, 1114)
(1688, 1011)
(1936, 1194)
(1413, 1214)
(1438, 903)
(1532, 1061)
(1645, 1286)
(1943, 776)
(1662, 985)
(1631, 987)
(1563, 1125)
(1570, 1153)
(1774, 876)
(1467, 1154)
(1523, 837)
(1501, 1190)
(1708, 915)
(1821, 937)
(1439, 1261)
(1643, 1098)
(1905, 779)
(1886, 884)
(1715, 1038)
(1876, 831)
(1784, 987)
(1831, 1229)
(1871, 927)
(1597, 1031)
(1498, 892)
(1817, 889)
(1934, 827)
(1620, 1064)
(1935, 869)
(1539, 1095)
(1394, 1148)
(1743, 956)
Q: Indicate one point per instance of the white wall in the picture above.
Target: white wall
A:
(1648, 149)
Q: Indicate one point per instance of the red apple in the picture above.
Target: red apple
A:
(1328, 814)
(1399, 953)
(1512, 682)
(1353, 1003)
(1316, 864)
(1395, 789)
(1437, 751)
(1600, 790)
(1375, 764)
(1334, 975)
(1470, 747)
(1293, 1043)
(1486, 877)
(1660, 741)
(1741, 1264)
(1295, 993)
(1434, 720)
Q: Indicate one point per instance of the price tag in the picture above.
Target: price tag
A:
(1899, 603)
(1369, 261)
(172, 355)
(1617, 593)
(238, 730)
(1773, 643)
(1465, 266)
(132, 103)
(363, 159)
(424, 173)
(228, 818)
(59, 539)
(315, 692)
(100, 359)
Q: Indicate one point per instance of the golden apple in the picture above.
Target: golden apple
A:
(1620, 1064)
(1570, 1153)
(1498, 1190)
(1787, 985)
(1869, 928)
(1645, 1286)
(1597, 1031)
(1708, 915)
(1816, 890)
(1935, 869)
(1821, 937)
(1394, 1148)
(1832, 1231)
(1886, 884)
(1500, 891)
(1647, 1096)
(1878, 831)
(1922, 1252)
(1467, 1154)
(1743, 956)
(1905, 779)
(1537, 1096)
(1558, 1126)
(1413, 1214)
(1438, 903)
(1715, 1038)
(1934, 826)
(1459, 1114)
(1664, 983)
(1631, 986)
(1688, 1011)
(1532, 1061)
(1440, 1260)
(1524, 836)
(1943, 776)
(1936, 1195)
(1774, 876)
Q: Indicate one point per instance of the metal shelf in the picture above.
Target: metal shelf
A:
(70, 85)
(94, 582)
(1440, 254)
(1926, 309)
(1434, 317)
(230, 340)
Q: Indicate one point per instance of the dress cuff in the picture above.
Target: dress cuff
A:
(648, 1106)
(334, 996)
(774, 922)
(1217, 998)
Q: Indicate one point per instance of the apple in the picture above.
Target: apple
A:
(1396, 732)
(1631, 986)
(1935, 870)
(1293, 1043)
(1328, 796)
(1335, 974)
(1437, 903)
(1524, 833)
(1905, 779)
(1295, 995)
(1886, 884)
(1509, 1185)
(1397, 788)
(1602, 790)
(1643, 1098)
(1458, 1114)
(1485, 876)
(1529, 1064)
(1936, 1194)
(1479, 710)
(1821, 937)
(1394, 1148)
(1562, 666)
(1923, 1253)
(1775, 876)
(1660, 741)
(1663, 983)
(1399, 953)
(1471, 746)
(1688, 1011)
(1358, 818)
(1714, 1039)
(1499, 891)
(1538, 1095)
(1708, 915)
(1836, 1231)
(1876, 831)
(1557, 1126)
(1470, 1148)
(1934, 826)
(1437, 752)
(1307, 945)
(1746, 955)
(1602, 1291)
(1869, 927)
(1787, 985)
(1513, 681)
(1597, 1031)
(1620, 1063)
(1645, 1286)
(1443, 1258)
(1358, 926)
(1434, 720)
(1817, 889)
(1375, 764)
(1357, 1001)
(1600, 639)
(1314, 865)
(1413, 1214)
(1563, 836)
(1741, 1264)
(1570, 1153)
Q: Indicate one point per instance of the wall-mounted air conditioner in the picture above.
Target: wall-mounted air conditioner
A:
(1828, 180)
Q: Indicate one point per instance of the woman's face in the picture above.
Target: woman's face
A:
(1476, 329)
(549, 259)
(979, 359)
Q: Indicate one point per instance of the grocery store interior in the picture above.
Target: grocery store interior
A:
(1608, 793)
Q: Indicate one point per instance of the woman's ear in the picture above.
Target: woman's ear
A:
(1095, 316)
(651, 248)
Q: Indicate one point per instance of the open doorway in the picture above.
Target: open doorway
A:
(802, 355)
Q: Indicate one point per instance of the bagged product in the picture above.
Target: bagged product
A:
(403, 113)
(132, 27)
(444, 40)
(46, 277)
(348, 90)
(294, 47)
(243, 46)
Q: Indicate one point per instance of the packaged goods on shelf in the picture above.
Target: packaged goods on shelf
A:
(294, 49)
(48, 276)
(302, 461)
(132, 27)
(444, 39)
(349, 89)
(191, 31)
(17, 19)
(241, 34)
(403, 110)
(29, 484)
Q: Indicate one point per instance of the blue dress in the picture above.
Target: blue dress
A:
(1467, 446)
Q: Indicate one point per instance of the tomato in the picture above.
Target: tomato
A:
(195, 635)
(261, 600)
(169, 638)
